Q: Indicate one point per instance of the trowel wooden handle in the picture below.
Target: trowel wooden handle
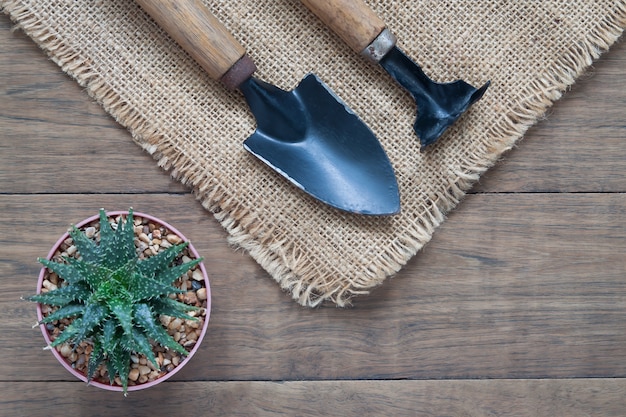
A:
(352, 20)
(204, 37)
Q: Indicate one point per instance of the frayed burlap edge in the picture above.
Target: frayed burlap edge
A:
(306, 287)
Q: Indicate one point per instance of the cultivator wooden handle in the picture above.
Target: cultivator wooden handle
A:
(352, 20)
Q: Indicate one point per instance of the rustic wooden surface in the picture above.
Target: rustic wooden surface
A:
(516, 307)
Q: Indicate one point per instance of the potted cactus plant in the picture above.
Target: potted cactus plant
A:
(123, 300)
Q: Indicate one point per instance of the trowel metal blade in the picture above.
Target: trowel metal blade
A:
(314, 140)
(439, 105)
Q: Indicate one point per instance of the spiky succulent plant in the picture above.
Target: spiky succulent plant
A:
(115, 298)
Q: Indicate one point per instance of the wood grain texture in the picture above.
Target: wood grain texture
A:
(521, 398)
(59, 138)
(199, 33)
(352, 20)
(516, 307)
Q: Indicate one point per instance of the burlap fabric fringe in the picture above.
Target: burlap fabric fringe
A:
(530, 50)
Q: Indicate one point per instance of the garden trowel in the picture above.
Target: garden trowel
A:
(308, 135)
(438, 105)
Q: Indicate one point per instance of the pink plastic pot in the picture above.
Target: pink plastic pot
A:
(66, 364)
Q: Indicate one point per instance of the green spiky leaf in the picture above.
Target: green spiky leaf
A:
(86, 247)
(83, 326)
(110, 368)
(123, 312)
(121, 248)
(174, 308)
(120, 365)
(141, 344)
(91, 273)
(170, 275)
(66, 271)
(95, 359)
(108, 337)
(161, 261)
(154, 330)
(106, 232)
(62, 296)
(148, 289)
(67, 311)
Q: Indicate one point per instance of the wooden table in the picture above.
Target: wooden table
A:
(516, 307)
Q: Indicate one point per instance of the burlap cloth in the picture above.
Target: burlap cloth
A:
(530, 50)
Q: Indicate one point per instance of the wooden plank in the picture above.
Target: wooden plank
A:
(520, 398)
(512, 286)
(579, 146)
(56, 138)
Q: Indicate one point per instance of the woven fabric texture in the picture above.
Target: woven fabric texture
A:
(530, 50)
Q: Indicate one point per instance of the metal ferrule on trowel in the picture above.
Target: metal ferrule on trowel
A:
(439, 105)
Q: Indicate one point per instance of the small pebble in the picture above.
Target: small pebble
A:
(201, 294)
(165, 320)
(82, 359)
(190, 298)
(66, 350)
(49, 286)
(71, 250)
(133, 375)
(175, 324)
(90, 232)
(144, 370)
(172, 238)
(151, 366)
(197, 275)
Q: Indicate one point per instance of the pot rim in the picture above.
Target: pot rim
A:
(165, 377)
